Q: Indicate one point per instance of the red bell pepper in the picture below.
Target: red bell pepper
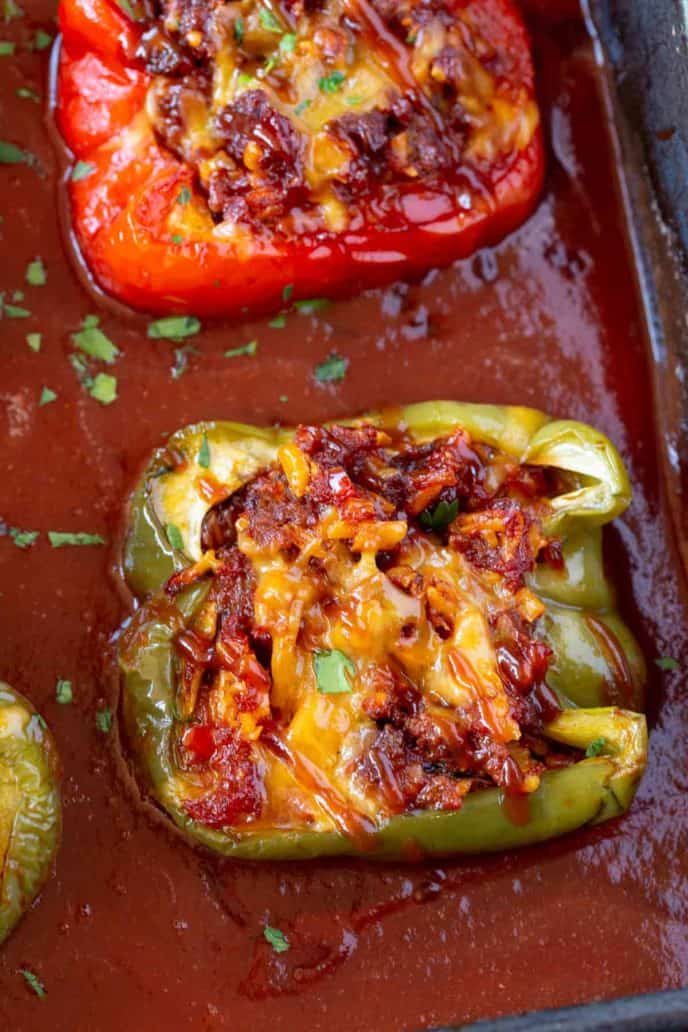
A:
(154, 251)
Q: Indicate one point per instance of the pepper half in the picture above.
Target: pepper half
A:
(30, 810)
(390, 662)
(224, 157)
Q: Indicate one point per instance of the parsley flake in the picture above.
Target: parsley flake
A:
(244, 349)
(26, 93)
(63, 692)
(301, 107)
(203, 457)
(174, 327)
(239, 31)
(288, 43)
(22, 538)
(276, 938)
(34, 341)
(667, 663)
(104, 388)
(279, 322)
(177, 239)
(331, 83)
(6, 48)
(332, 370)
(596, 747)
(10, 154)
(439, 518)
(174, 536)
(33, 982)
(13, 311)
(47, 395)
(104, 721)
(184, 195)
(333, 672)
(287, 291)
(61, 538)
(35, 273)
(42, 40)
(92, 341)
(268, 21)
(11, 11)
(312, 305)
(82, 170)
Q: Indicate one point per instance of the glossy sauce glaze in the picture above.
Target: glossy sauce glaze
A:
(136, 929)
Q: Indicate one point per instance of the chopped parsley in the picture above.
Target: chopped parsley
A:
(177, 239)
(244, 349)
(276, 938)
(82, 170)
(203, 457)
(245, 80)
(104, 388)
(332, 370)
(287, 291)
(181, 360)
(63, 692)
(288, 43)
(35, 273)
(42, 40)
(279, 322)
(596, 747)
(268, 21)
(174, 327)
(61, 538)
(10, 154)
(312, 305)
(184, 195)
(331, 83)
(439, 518)
(667, 663)
(104, 720)
(47, 395)
(333, 672)
(13, 311)
(22, 538)
(92, 341)
(6, 48)
(239, 31)
(174, 536)
(33, 982)
(301, 106)
(34, 341)
(26, 93)
(11, 11)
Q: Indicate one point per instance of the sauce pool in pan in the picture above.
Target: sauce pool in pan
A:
(138, 930)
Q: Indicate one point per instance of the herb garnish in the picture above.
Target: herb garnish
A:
(60, 538)
(174, 327)
(301, 106)
(34, 341)
(11, 11)
(92, 341)
(244, 349)
(279, 322)
(276, 938)
(104, 720)
(287, 291)
(47, 395)
(667, 663)
(42, 40)
(7, 48)
(81, 170)
(331, 83)
(21, 538)
(332, 370)
(13, 311)
(596, 747)
(35, 273)
(203, 457)
(287, 43)
(63, 692)
(333, 672)
(177, 239)
(33, 982)
(26, 93)
(312, 305)
(439, 518)
(10, 154)
(268, 21)
(239, 31)
(184, 195)
(104, 388)
(174, 536)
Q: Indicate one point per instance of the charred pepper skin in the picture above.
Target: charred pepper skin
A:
(30, 808)
(150, 253)
(590, 790)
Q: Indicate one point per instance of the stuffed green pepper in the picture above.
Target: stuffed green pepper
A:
(30, 811)
(392, 636)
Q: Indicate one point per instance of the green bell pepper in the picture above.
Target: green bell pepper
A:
(580, 621)
(30, 811)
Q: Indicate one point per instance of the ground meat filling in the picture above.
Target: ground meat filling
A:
(300, 114)
(451, 497)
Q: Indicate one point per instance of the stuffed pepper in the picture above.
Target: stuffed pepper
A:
(30, 811)
(227, 153)
(391, 636)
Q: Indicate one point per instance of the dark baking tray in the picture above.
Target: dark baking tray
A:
(643, 48)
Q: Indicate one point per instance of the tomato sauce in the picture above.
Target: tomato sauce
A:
(137, 930)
